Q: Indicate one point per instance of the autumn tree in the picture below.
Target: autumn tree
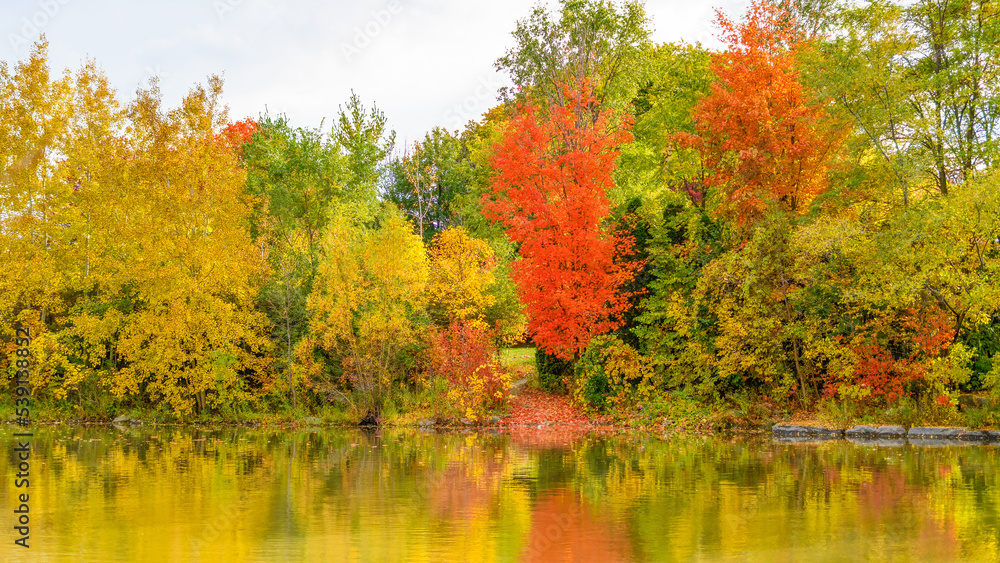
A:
(763, 138)
(197, 341)
(554, 167)
(34, 117)
(367, 306)
(425, 181)
(595, 40)
(462, 271)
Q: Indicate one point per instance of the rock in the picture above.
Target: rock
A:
(494, 420)
(467, 422)
(889, 432)
(860, 431)
(974, 436)
(426, 422)
(312, 420)
(972, 402)
(120, 419)
(813, 432)
(993, 435)
(876, 432)
(789, 430)
(932, 432)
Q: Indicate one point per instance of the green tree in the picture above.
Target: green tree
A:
(917, 81)
(296, 174)
(425, 181)
(366, 144)
(594, 40)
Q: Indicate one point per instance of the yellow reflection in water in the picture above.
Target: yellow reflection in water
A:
(220, 495)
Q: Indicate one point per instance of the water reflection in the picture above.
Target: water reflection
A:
(227, 494)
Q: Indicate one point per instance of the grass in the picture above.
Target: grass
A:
(521, 361)
(517, 357)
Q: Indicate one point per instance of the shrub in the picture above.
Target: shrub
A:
(611, 376)
(552, 371)
(466, 355)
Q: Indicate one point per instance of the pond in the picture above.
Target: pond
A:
(238, 494)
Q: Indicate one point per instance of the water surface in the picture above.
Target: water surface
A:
(234, 494)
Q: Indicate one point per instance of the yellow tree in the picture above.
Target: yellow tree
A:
(197, 341)
(462, 272)
(367, 305)
(94, 259)
(34, 113)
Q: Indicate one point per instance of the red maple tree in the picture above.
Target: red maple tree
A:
(553, 169)
(239, 133)
(760, 134)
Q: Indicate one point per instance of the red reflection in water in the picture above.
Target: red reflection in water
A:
(887, 503)
(563, 530)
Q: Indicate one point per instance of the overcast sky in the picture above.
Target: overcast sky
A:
(423, 62)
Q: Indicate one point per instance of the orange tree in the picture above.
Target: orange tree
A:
(553, 169)
(761, 135)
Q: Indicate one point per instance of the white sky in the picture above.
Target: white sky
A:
(425, 63)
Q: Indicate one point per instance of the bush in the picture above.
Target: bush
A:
(552, 372)
(466, 355)
(611, 376)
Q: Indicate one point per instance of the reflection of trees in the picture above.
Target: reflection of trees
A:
(346, 495)
(565, 529)
(463, 492)
(888, 507)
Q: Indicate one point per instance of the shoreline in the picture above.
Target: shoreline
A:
(891, 436)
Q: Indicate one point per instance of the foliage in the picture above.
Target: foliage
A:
(610, 376)
(553, 372)
(762, 145)
(655, 161)
(466, 355)
(366, 142)
(425, 181)
(461, 274)
(368, 306)
(138, 219)
(553, 170)
(296, 173)
(197, 336)
(915, 78)
(808, 217)
(594, 40)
